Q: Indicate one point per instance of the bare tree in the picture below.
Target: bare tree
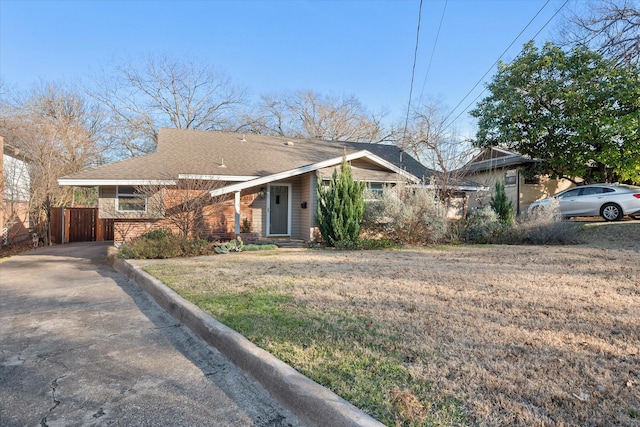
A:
(429, 141)
(162, 91)
(56, 131)
(435, 146)
(186, 206)
(308, 114)
(611, 27)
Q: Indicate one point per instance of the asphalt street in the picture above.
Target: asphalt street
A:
(81, 345)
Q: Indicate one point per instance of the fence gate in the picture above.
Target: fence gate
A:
(82, 225)
(79, 225)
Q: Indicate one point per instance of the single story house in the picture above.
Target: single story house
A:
(496, 164)
(260, 184)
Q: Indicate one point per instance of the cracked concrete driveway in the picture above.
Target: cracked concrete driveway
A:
(81, 345)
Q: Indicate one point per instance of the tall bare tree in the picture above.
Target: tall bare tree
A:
(163, 91)
(427, 138)
(430, 141)
(611, 27)
(56, 131)
(308, 114)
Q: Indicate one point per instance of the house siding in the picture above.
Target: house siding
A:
(520, 193)
(296, 210)
(108, 209)
(308, 196)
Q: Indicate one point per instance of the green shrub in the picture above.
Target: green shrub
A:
(259, 247)
(501, 204)
(157, 234)
(374, 244)
(162, 244)
(233, 245)
(340, 207)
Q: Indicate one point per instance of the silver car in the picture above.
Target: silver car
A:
(610, 201)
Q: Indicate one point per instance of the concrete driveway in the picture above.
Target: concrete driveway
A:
(81, 345)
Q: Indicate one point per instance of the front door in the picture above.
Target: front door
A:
(279, 208)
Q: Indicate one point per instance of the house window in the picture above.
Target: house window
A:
(510, 177)
(373, 191)
(129, 199)
(375, 187)
(532, 180)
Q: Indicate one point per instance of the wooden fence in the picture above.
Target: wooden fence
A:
(79, 225)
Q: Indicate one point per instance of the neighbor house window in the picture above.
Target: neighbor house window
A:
(510, 177)
(532, 180)
(129, 199)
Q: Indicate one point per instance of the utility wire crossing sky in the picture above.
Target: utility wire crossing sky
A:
(373, 50)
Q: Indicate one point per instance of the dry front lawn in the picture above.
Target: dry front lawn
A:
(467, 335)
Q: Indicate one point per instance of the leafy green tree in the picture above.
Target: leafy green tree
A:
(576, 111)
(340, 207)
(501, 204)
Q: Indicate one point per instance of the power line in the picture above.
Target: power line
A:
(434, 48)
(413, 72)
(447, 125)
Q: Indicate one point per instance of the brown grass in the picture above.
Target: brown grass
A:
(522, 335)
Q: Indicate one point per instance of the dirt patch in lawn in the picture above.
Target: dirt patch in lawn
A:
(509, 335)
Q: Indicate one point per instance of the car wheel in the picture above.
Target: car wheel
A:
(611, 212)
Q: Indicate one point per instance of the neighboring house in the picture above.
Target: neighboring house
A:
(14, 187)
(499, 165)
(263, 184)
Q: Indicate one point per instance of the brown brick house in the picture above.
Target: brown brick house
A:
(262, 184)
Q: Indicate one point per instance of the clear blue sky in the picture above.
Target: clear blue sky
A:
(364, 48)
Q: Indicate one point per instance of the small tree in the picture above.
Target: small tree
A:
(502, 205)
(340, 207)
(186, 206)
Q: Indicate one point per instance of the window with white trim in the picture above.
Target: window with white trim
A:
(129, 199)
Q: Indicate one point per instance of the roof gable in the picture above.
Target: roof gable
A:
(493, 158)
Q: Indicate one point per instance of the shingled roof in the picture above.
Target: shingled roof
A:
(244, 156)
(493, 158)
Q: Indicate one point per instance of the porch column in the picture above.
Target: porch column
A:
(236, 205)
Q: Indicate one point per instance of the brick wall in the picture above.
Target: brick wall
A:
(216, 220)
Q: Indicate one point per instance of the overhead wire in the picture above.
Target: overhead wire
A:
(433, 51)
(448, 124)
(413, 72)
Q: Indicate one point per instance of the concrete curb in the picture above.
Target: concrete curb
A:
(313, 404)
